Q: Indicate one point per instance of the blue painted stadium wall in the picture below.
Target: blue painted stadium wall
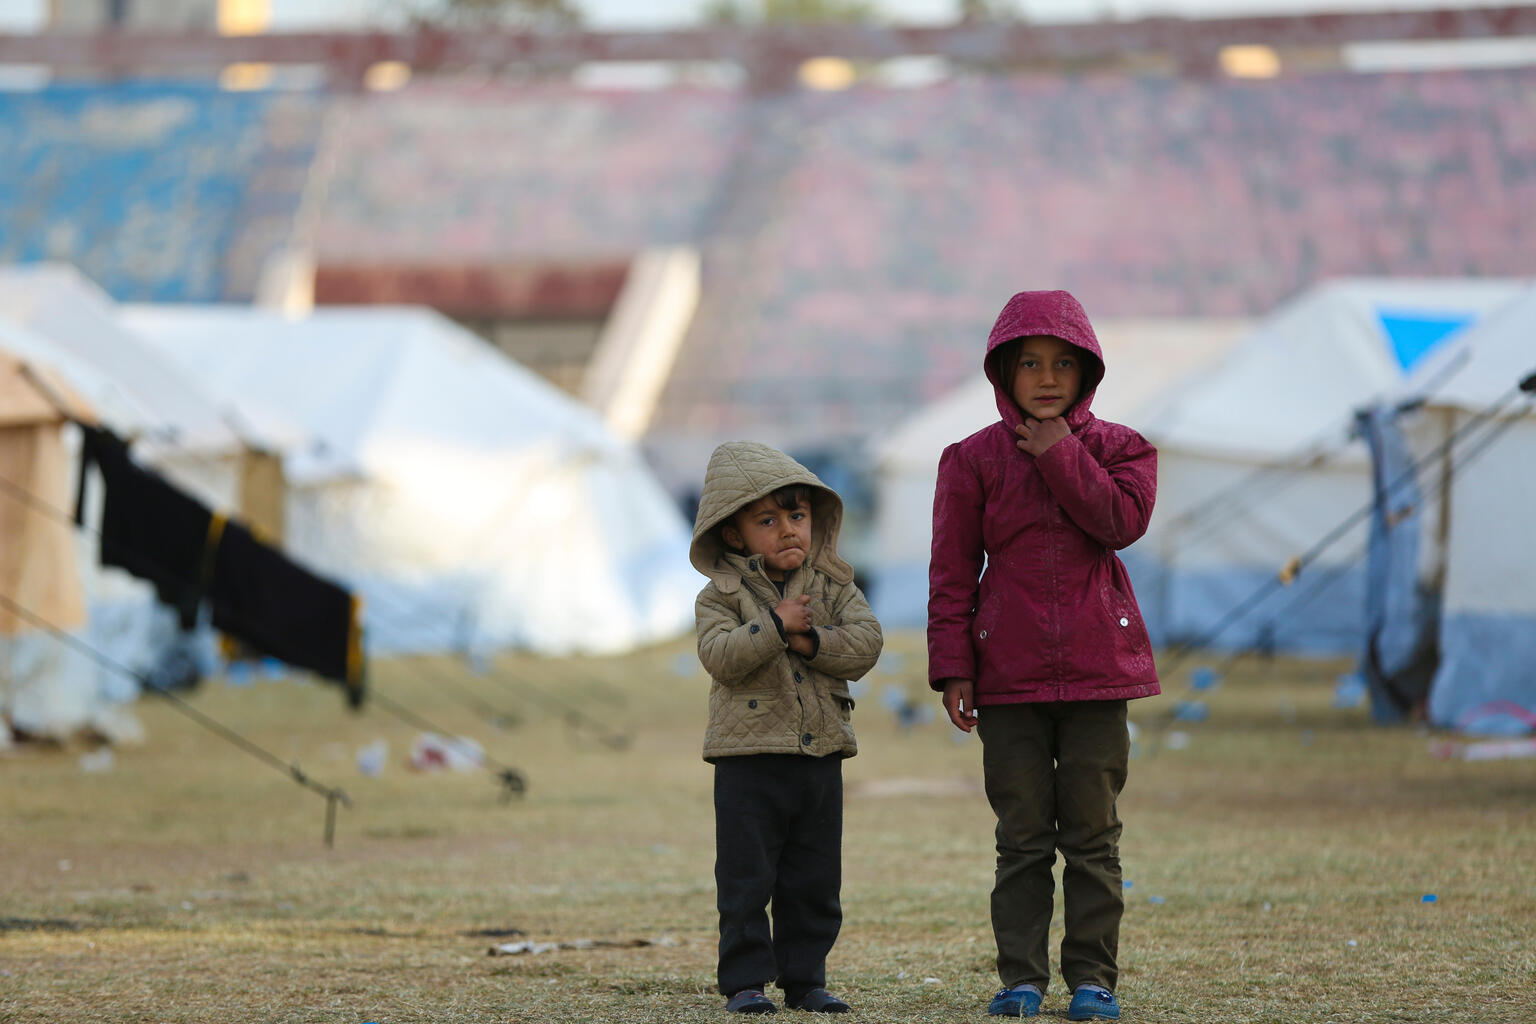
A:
(146, 187)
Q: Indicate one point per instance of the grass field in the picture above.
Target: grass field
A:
(1279, 862)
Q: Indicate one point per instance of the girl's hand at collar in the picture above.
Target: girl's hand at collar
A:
(1035, 436)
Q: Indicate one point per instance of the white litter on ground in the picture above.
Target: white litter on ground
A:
(530, 946)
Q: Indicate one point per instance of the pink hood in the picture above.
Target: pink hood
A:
(1059, 315)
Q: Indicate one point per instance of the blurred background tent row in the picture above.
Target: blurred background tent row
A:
(472, 505)
(455, 312)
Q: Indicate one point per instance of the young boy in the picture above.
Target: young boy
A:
(782, 629)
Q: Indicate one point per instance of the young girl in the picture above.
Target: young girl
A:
(1042, 650)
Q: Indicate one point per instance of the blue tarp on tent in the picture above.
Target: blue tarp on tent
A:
(1398, 655)
(1414, 334)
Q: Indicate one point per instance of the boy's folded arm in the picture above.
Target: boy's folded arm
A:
(729, 649)
(1111, 502)
(954, 570)
(851, 647)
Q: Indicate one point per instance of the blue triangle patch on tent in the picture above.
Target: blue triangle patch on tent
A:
(1414, 334)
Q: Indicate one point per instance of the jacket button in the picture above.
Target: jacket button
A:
(754, 628)
(1125, 621)
(798, 678)
(751, 703)
(983, 634)
(752, 565)
(806, 739)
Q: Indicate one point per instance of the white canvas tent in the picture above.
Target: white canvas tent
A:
(53, 318)
(73, 325)
(472, 504)
(1258, 463)
(1482, 548)
(1144, 356)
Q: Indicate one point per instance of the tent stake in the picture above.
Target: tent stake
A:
(331, 796)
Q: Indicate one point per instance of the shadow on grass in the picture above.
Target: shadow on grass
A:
(40, 924)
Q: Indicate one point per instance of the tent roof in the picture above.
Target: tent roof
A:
(1145, 356)
(33, 394)
(1303, 371)
(360, 379)
(52, 315)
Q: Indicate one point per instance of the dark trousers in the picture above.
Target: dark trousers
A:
(778, 838)
(1053, 772)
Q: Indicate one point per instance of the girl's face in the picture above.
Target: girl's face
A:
(1047, 376)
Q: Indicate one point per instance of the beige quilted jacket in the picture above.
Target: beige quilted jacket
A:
(763, 697)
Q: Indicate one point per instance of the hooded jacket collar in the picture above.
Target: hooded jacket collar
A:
(739, 473)
(1059, 315)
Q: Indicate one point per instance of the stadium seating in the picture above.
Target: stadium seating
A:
(453, 173)
(895, 223)
(856, 244)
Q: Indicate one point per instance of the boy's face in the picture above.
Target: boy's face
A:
(1047, 376)
(782, 537)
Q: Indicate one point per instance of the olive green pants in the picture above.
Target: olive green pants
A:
(1053, 772)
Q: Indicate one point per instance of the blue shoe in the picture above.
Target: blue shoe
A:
(1093, 1004)
(1015, 1002)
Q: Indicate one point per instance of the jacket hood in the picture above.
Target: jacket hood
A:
(741, 472)
(1059, 315)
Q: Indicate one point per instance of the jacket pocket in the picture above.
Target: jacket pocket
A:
(984, 638)
(754, 705)
(986, 619)
(843, 723)
(1125, 622)
(985, 616)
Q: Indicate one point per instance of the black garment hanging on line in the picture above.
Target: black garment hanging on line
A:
(257, 594)
(280, 608)
(148, 526)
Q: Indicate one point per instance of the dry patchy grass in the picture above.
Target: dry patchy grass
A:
(1278, 864)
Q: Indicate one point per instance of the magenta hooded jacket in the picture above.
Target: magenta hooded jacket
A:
(1026, 596)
